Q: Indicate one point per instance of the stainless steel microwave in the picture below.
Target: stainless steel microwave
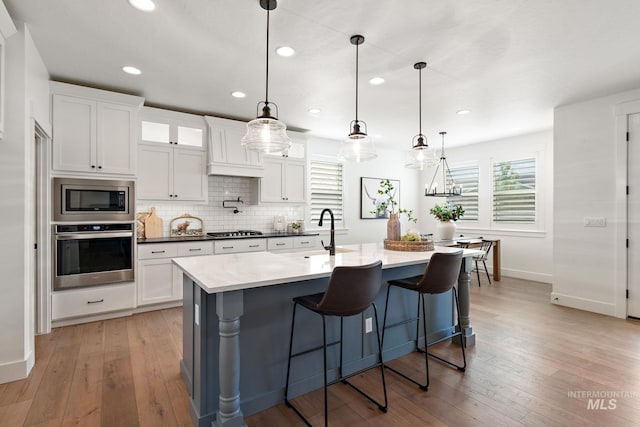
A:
(76, 199)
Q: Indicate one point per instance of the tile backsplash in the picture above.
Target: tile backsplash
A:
(216, 218)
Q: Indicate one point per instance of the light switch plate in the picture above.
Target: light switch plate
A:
(595, 222)
(196, 314)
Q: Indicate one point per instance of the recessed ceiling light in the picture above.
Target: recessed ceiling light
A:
(131, 70)
(376, 81)
(463, 112)
(144, 5)
(285, 51)
(314, 110)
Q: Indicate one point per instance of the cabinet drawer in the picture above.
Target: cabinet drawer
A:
(279, 243)
(158, 250)
(236, 246)
(89, 301)
(302, 242)
(195, 248)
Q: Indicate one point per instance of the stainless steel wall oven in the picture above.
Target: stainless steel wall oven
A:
(92, 254)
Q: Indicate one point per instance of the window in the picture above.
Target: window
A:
(326, 189)
(514, 191)
(467, 177)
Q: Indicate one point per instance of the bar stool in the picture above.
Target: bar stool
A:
(351, 291)
(439, 277)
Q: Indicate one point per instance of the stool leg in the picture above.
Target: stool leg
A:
(486, 271)
(386, 310)
(478, 273)
(384, 384)
(324, 360)
(286, 387)
(425, 387)
(418, 326)
(464, 357)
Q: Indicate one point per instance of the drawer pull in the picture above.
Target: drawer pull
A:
(304, 243)
(195, 249)
(227, 247)
(96, 301)
(158, 252)
(254, 246)
(280, 244)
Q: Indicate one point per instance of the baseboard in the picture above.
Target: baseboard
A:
(594, 306)
(160, 306)
(93, 318)
(18, 370)
(526, 275)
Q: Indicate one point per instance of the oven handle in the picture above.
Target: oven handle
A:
(91, 236)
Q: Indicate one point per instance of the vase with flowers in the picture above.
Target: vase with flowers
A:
(390, 205)
(447, 214)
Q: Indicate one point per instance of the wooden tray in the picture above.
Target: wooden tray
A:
(400, 245)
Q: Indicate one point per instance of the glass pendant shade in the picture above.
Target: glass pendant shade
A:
(266, 135)
(421, 155)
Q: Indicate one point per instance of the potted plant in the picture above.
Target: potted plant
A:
(295, 227)
(447, 214)
(393, 225)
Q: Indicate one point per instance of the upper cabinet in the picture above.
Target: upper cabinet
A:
(227, 156)
(173, 128)
(94, 131)
(285, 175)
(172, 157)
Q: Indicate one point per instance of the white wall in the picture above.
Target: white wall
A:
(26, 77)
(526, 250)
(589, 156)
(388, 164)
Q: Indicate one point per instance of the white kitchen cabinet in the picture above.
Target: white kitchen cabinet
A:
(7, 29)
(292, 243)
(227, 156)
(168, 172)
(233, 246)
(172, 128)
(284, 181)
(92, 301)
(94, 131)
(159, 279)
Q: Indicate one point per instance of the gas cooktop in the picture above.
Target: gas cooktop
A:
(237, 233)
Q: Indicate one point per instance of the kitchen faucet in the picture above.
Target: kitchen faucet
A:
(332, 244)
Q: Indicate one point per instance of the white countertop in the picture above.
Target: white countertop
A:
(229, 272)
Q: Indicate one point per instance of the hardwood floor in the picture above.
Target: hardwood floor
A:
(530, 361)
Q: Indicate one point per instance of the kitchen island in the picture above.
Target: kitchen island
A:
(232, 370)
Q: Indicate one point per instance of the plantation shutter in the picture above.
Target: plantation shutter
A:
(326, 189)
(467, 177)
(514, 191)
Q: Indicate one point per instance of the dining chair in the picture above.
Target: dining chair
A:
(485, 248)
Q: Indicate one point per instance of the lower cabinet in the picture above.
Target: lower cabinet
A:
(292, 243)
(233, 246)
(159, 280)
(92, 301)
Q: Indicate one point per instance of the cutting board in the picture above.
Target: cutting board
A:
(152, 225)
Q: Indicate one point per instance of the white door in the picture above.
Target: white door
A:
(633, 218)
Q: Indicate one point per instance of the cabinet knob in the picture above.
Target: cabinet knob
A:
(175, 195)
(93, 166)
(99, 167)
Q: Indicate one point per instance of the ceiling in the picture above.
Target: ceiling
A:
(508, 61)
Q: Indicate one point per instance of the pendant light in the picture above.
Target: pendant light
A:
(449, 189)
(421, 154)
(267, 134)
(357, 146)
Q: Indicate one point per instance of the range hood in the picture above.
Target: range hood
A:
(227, 156)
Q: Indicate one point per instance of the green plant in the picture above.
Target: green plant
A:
(295, 225)
(446, 212)
(386, 189)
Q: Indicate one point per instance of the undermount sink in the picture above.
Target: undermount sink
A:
(339, 250)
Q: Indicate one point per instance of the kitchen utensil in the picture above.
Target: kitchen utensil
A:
(153, 225)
